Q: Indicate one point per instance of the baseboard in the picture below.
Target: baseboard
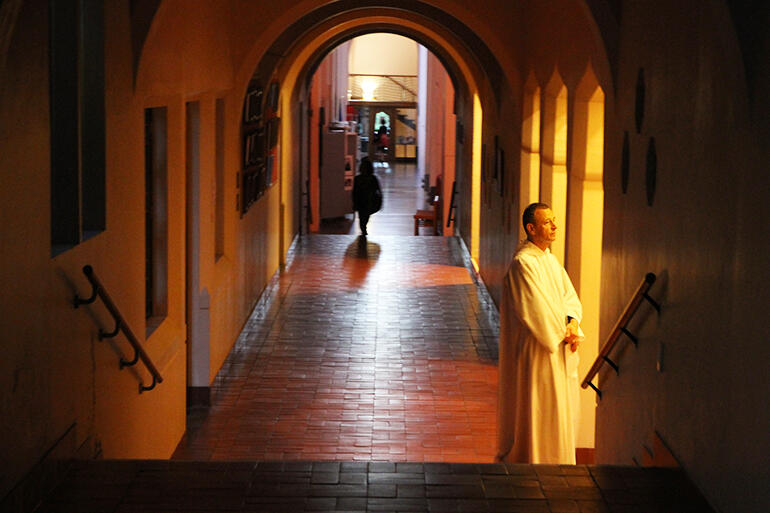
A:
(585, 455)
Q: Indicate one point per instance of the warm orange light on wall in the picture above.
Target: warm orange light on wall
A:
(529, 188)
(584, 230)
(476, 178)
(553, 169)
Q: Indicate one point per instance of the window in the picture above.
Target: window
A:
(77, 123)
(156, 216)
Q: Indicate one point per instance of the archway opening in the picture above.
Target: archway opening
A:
(584, 228)
(385, 97)
(529, 187)
(553, 169)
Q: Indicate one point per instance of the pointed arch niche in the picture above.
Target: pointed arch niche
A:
(553, 166)
(584, 227)
(529, 187)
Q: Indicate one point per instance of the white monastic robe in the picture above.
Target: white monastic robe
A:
(538, 382)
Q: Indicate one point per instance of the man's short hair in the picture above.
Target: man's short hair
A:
(529, 214)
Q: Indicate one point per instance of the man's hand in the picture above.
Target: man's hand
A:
(571, 337)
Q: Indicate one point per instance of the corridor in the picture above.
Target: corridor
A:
(403, 194)
(378, 350)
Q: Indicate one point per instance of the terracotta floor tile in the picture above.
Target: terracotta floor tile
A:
(382, 349)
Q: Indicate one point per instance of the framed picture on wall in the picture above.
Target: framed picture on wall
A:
(273, 128)
(271, 105)
(248, 148)
(252, 110)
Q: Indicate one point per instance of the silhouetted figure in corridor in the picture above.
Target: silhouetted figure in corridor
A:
(367, 195)
(539, 335)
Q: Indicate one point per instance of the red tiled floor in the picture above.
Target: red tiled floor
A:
(376, 350)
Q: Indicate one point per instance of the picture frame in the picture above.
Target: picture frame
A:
(248, 143)
(272, 130)
(273, 94)
(252, 109)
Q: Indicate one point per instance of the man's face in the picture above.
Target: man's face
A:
(543, 231)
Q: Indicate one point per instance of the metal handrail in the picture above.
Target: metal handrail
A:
(621, 329)
(120, 325)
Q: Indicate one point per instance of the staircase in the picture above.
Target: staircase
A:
(293, 486)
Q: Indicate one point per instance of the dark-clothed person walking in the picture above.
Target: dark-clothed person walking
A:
(367, 195)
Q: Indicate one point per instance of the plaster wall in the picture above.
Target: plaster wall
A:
(383, 54)
(440, 132)
(55, 373)
(701, 237)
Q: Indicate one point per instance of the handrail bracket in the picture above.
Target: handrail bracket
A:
(654, 303)
(120, 325)
(112, 334)
(143, 388)
(125, 363)
(77, 300)
(631, 336)
(619, 329)
(612, 364)
(598, 392)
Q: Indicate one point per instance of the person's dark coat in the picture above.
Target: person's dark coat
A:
(367, 195)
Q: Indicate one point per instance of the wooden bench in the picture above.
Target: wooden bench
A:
(429, 217)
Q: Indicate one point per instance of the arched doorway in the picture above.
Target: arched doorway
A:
(471, 73)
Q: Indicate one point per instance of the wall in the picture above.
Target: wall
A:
(55, 373)
(327, 81)
(701, 236)
(383, 54)
(440, 132)
(709, 135)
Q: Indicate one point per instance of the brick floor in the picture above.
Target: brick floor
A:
(378, 349)
(365, 380)
(294, 486)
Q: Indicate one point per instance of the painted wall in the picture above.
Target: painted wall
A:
(383, 54)
(440, 132)
(701, 236)
(707, 404)
(55, 373)
(329, 80)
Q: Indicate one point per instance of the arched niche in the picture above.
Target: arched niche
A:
(529, 179)
(584, 224)
(553, 164)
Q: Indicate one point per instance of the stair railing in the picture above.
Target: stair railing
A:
(621, 329)
(120, 325)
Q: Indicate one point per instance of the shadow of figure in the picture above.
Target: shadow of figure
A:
(360, 257)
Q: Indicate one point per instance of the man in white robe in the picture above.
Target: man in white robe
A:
(539, 333)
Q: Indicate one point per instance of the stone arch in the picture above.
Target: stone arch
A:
(470, 75)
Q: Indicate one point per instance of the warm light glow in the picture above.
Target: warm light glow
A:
(476, 178)
(529, 190)
(584, 230)
(475, 265)
(553, 170)
(368, 86)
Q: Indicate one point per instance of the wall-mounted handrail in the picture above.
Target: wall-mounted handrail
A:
(621, 329)
(120, 325)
